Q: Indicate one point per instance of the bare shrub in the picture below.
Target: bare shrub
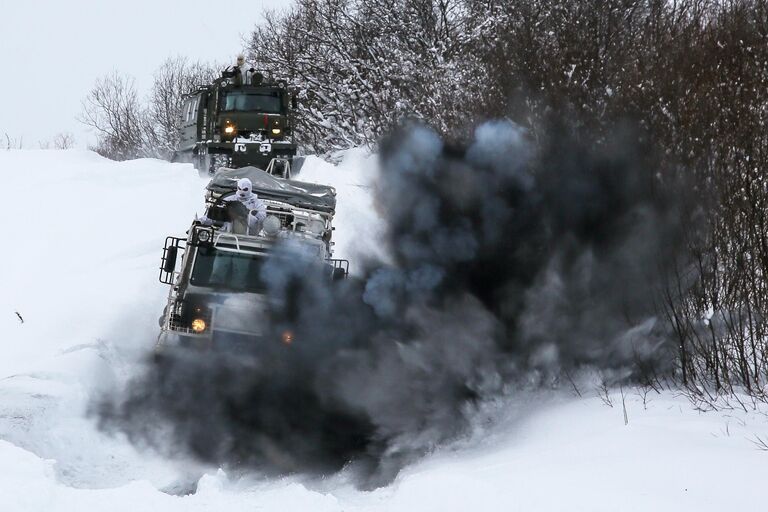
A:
(176, 77)
(12, 143)
(129, 127)
(64, 140)
(113, 109)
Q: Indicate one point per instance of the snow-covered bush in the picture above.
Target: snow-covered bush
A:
(363, 66)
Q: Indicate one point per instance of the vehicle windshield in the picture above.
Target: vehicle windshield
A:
(266, 102)
(228, 270)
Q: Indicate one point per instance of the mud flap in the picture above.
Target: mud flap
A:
(296, 164)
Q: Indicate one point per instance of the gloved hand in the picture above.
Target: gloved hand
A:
(259, 215)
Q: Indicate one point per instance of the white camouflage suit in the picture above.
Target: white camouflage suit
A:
(257, 210)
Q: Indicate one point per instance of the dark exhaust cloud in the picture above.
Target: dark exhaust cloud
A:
(510, 262)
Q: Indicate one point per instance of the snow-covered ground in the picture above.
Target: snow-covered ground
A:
(82, 238)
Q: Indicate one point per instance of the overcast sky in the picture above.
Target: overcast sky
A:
(51, 51)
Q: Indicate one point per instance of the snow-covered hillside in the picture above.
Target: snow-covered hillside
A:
(82, 242)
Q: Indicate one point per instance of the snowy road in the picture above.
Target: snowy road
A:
(81, 245)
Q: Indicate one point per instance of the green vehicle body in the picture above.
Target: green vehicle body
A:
(233, 124)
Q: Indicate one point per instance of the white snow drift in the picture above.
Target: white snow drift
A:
(81, 243)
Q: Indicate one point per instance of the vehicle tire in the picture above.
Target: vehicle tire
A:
(204, 165)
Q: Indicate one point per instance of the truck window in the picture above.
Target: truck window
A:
(189, 110)
(228, 270)
(184, 111)
(265, 102)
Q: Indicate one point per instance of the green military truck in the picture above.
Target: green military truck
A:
(241, 119)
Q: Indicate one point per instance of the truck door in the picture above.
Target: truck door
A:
(201, 117)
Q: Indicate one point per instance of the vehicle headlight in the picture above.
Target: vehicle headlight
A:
(229, 129)
(276, 131)
(316, 226)
(198, 325)
(203, 235)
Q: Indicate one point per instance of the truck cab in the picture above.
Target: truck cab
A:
(237, 123)
(218, 297)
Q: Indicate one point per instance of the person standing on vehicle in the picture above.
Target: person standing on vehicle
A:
(245, 210)
(257, 210)
(243, 199)
(241, 71)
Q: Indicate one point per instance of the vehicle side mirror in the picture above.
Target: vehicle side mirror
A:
(169, 259)
(294, 102)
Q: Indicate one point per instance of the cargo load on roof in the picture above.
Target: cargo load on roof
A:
(311, 196)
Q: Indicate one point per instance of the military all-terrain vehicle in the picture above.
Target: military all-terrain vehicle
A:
(241, 119)
(218, 297)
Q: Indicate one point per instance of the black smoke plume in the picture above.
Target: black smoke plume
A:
(511, 262)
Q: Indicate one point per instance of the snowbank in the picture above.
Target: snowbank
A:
(82, 241)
